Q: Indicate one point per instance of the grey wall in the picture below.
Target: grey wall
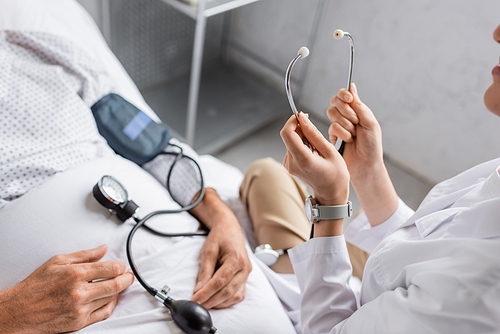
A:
(422, 66)
(152, 40)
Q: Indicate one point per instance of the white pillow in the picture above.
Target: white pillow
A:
(68, 18)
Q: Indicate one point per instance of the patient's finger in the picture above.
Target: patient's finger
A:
(229, 294)
(111, 287)
(102, 270)
(103, 312)
(222, 277)
(84, 256)
(208, 262)
(236, 298)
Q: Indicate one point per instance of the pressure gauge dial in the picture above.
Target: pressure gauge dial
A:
(112, 195)
(112, 189)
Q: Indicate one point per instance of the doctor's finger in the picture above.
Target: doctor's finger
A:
(343, 109)
(293, 138)
(344, 95)
(333, 138)
(337, 131)
(314, 136)
(336, 116)
(365, 115)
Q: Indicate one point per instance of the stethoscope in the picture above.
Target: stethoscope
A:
(191, 317)
(303, 53)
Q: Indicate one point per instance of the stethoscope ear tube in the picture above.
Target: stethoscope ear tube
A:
(338, 34)
(288, 89)
(302, 53)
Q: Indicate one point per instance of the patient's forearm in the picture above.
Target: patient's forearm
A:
(212, 209)
(376, 194)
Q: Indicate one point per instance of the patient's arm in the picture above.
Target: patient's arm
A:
(355, 123)
(61, 296)
(224, 263)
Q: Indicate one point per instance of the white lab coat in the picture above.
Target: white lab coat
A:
(434, 271)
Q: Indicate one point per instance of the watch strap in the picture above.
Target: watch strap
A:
(334, 211)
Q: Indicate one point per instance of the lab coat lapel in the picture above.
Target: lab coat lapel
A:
(436, 205)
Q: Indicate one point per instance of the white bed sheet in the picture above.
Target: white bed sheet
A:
(61, 216)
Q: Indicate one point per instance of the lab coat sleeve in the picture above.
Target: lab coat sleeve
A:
(362, 235)
(434, 301)
(323, 271)
(185, 178)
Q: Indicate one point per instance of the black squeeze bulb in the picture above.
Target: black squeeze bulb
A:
(192, 318)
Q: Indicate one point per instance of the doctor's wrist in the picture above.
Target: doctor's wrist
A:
(334, 198)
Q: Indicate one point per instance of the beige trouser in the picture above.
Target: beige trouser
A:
(275, 203)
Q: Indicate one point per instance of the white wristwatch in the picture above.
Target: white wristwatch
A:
(316, 212)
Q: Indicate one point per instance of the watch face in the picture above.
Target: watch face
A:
(308, 208)
(113, 190)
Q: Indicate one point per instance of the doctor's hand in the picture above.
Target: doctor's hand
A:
(224, 262)
(354, 123)
(63, 295)
(322, 168)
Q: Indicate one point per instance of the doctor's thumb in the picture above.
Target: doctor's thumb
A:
(354, 91)
(311, 132)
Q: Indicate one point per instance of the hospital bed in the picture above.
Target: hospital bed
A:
(61, 216)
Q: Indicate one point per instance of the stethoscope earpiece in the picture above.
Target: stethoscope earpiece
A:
(338, 34)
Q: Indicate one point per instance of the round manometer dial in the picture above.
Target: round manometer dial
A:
(113, 190)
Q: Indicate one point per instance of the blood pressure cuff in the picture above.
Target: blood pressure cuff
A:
(129, 131)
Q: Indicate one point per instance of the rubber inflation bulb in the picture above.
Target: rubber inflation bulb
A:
(191, 317)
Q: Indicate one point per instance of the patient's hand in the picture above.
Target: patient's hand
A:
(61, 296)
(224, 262)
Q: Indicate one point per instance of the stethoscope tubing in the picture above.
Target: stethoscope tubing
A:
(141, 222)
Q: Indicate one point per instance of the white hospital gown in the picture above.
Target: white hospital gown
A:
(47, 87)
(434, 271)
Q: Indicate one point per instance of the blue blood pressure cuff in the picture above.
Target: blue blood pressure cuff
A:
(129, 131)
